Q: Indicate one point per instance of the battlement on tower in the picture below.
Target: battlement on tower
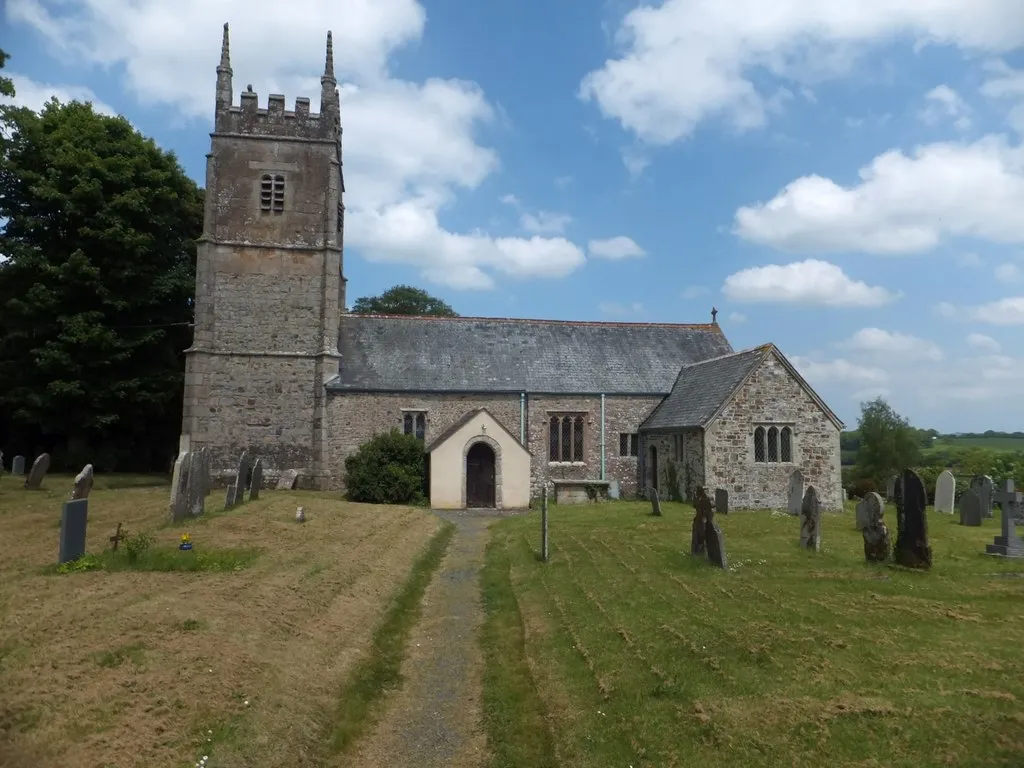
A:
(250, 119)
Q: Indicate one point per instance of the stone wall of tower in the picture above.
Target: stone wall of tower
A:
(268, 284)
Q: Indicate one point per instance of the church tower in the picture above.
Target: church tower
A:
(269, 282)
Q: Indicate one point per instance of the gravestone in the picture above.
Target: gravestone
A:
(178, 507)
(842, 496)
(912, 548)
(655, 501)
(706, 536)
(242, 477)
(810, 520)
(39, 468)
(970, 508)
(229, 496)
(721, 501)
(286, 480)
(73, 518)
(544, 524)
(871, 506)
(1011, 504)
(18, 465)
(256, 482)
(300, 515)
(83, 483)
(890, 489)
(984, 487)
(945, 492)
(796, 492)
(197, 484)
(613, 489)
(875, 532)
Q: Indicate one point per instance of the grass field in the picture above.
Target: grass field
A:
(991, 443)
(273, 660)
(626, 651)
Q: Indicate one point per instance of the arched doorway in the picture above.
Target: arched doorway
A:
(654, 467)
(480, 485)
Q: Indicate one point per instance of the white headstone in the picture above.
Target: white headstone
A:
(945, 492)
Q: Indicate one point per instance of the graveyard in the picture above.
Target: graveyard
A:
(243, 659)
(625, 650)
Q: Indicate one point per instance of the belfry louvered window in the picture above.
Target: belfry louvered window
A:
(566, 437)
(272, 193)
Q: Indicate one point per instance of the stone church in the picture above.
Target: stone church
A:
(277, 365)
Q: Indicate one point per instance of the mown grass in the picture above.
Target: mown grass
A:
(380, 670)
(625, 650)
(160, 559)
(991, 443)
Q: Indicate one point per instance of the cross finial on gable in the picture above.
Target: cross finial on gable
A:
(714, 314)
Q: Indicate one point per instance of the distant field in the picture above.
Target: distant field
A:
(991, 443)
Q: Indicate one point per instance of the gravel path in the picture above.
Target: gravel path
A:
(434, 719)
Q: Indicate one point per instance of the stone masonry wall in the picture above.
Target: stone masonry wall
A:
(772, 397)
(688, 466)
(353, 418)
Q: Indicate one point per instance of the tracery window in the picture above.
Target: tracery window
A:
(565, 437)
(415, 423)
(773, 445)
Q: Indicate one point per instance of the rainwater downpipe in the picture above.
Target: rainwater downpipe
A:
(522, 418)
(602, 437)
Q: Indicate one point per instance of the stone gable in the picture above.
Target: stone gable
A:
(773, 397)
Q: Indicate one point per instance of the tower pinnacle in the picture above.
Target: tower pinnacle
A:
(329, 62)
(225, 55)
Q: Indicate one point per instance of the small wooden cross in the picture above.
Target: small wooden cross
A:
(117, 537)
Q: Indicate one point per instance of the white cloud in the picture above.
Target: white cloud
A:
(510, 199)
(839, 369)
(410, 148)
(737, 317)
(636, 161)
(694, 291)
(1009, 273)
(1006, 312)
(545, 222)
(903, 204)
(982, 342)
(686, 61)
(879, 342)
(34, 95)
(1007, 85)
(615, 248)
(621, 309)
(809, 283)
(943, 103)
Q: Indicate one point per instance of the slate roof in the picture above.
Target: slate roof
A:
(703, 389)
(389, 353)
(437, 441)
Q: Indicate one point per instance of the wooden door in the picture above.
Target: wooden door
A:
(480, 478)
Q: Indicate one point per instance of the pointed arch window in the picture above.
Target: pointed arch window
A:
(565, 437)
(773, 445)
(415, 423)
(759, 452)
(786, 445)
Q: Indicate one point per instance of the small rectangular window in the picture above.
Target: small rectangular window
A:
(628, 443)
(415, 423)
(566, 437)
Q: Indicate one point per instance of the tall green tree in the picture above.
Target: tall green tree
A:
(403, 300)
(888, 444)
(6, 84)
(95, 296)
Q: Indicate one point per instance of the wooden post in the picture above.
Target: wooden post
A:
(544, 524)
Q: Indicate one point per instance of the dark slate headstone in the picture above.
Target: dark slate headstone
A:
(18, 465)
(242, 478)
(984, 487)
(73, 518)
(1011, 503)
(229, 496)
(707, 537)
(912, 549)
(970, 506)
(655, 502)
(810, 520)
(39, 469)
(875, 532)
(868, 508)
(256, 482)
(721, 501)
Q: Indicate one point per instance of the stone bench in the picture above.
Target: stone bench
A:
(580, 491)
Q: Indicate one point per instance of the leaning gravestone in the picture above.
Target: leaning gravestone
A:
(73, 519)
(38, 472)
(83, 483)
(706, 535)
(242, 477)
(984, 487)
(655, 502)
(286, 480)
(256, 482)
(875, 532)
(810, 521)
(796, 492)
(18, 465)
(970, 508)
(229, 496)
(721, 501)
(1011, 503)
(868, 508)
(912, 549)
(178, 507)
(945, 492)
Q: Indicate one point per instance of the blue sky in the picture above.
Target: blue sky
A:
(844, 180)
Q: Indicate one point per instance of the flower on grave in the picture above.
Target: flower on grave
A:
(185, 538)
